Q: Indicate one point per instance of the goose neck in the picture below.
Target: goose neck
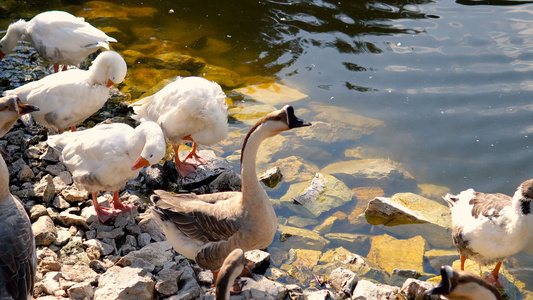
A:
(4, 180)
(250, 183)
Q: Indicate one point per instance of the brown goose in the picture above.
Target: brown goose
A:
(231, 268)
(208, 227)
(460, 285)
(18, 262)
(490, 227)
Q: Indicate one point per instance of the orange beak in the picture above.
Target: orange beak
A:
(110, 83)
(140, 163)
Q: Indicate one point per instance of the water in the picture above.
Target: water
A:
(452, 82)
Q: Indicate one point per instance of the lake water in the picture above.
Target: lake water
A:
(452, 82)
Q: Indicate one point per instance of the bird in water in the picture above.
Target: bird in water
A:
(58, 37)
(487, 228)
(188, 109)
(18, 261)
(460, 285)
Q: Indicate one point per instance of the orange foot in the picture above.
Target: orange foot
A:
(118, 206)
(196, 160)
(183, 168)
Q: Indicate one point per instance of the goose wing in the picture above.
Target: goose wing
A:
(489, 205)
(206, 219)
(17, 253)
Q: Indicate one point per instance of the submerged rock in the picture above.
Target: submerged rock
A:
(391, 253)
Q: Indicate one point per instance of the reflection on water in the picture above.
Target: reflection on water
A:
(452, 82)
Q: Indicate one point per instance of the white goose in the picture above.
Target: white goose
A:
(106, 156)
(490, 227)
(208, 227)
(18, 261)
(58, 37)
(68, 98)
(460, 285)
(188, 109)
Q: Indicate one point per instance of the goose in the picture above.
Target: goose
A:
(188, 109)
(231, 268)
(68, 98)
(460, 285)
(106, 156)
(18, 261)
(490, 227)
(58, 37)
(206, 228)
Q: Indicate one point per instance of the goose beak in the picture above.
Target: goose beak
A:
(109, 83)
(140, 163)
(293, 120)
(25, 108)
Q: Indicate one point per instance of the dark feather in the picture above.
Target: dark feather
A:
(489, 205)
(200, 225)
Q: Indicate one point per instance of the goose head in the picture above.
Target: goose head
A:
(279, 121)
(11, 108)
(230, 270)
(523, 196)
(456, 285)
(154, 145)
(109, 68)
(10, 40)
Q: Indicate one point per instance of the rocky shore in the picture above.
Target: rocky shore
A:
(129, 258)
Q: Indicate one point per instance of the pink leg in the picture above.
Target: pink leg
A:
(103, 213)
(56, 68)
(494, 277)
(183, 168)
(65, 67)
(118, 206)
(73, 128)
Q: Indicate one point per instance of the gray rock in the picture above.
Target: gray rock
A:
(382, 210)
(73, 194)
(45, 189)
(189, 289)
(44, 230)
(143, 239)
(81, 291)
(149, 226)
(155, 254)
(69, 219)
(319, 295)
(259, 259)
(368, 290)
(105, 249)
(414, 289)
(78, 272)
(167, 282)
(271, 177)
(38, 211)
(60, 203)
(343, 281)
(261, 287)
(26, 173)
(124, 283)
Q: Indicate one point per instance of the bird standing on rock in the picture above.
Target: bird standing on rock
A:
(188, 109)
(18, 261)
(490, 227)
(58, 37)
(106, 156)
(68, 98)
(208, 227)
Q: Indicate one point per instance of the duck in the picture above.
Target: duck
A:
(460, 285)
(487, 228)
(231, 268)
(58, 37)
(105, 157)
(18, 259)
(68, 98)
(207, 227)
(188, 109)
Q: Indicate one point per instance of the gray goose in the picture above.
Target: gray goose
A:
(460, 285)
(18, 262)
(490, 227)
(206, 228)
